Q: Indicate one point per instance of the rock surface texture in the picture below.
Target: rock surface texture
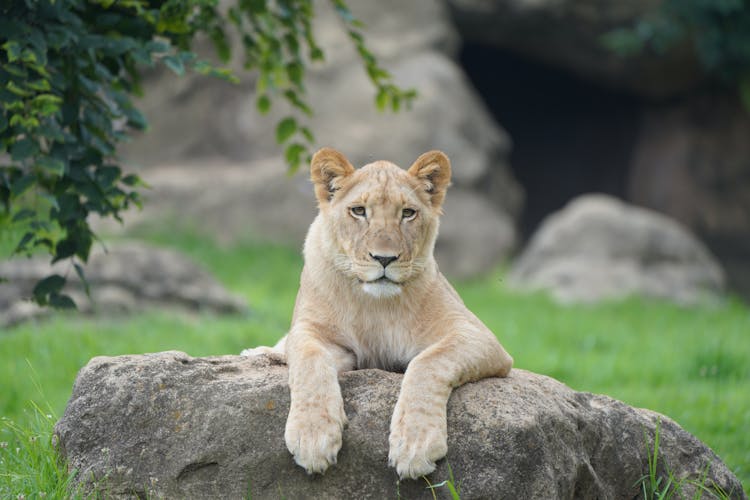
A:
(126, 277)
(691, 163)
(599, 248)
(170, 426)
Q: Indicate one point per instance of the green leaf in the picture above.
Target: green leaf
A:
(307, 133)
(255, 6)
(51, 199)
(221, 44)
(107, 175)
(21, 185)
(61, 301)
(293, 154)
(54, 166)
(49, 285)
(205, 68)
(132, 180)
(381, 99)
(82, 277)
(90, 85)
(357, 37)
(64, 249)
(377, 73)
(13, 49)
(157, 46)
(285, 129)
(175, 64)
(21, 247)
(395, 103)
(292, 43)
(296, 72)
(40, 85)
(25, 122)
(23, 214)
(46, 242)
(15, 89)
(20, 71)
(225, 74)
(44, 106)
(295, 101)
(316, 54)
(263, 103)
(135, 118)
(28, 56)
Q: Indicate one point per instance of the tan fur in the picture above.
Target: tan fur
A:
(343, 320)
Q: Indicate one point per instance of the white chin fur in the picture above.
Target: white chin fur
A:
(381, 290)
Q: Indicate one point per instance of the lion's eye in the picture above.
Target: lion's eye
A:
(358, 211)
(408, 213)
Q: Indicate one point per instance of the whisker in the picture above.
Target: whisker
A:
(420, 264)
(342, 262)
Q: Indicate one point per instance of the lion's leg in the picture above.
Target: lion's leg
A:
(277, 352)
(419, 435)
(316, 418)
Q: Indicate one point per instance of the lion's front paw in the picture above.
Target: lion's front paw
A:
(416, 444)
(314, 438)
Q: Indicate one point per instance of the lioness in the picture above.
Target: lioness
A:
(371, 296)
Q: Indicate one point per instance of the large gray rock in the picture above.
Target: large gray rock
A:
(474, 234)
(691, 162)
(124, 277)
(195, 116)
(568, 34)
(447, 115)
(171, 426)
(599, 248)
(226, 201)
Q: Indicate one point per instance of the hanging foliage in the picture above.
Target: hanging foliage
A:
(69, 70)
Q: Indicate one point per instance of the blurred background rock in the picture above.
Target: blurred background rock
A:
(522, 95)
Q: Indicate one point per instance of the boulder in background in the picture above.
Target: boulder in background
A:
(124, 277)
(599, 248)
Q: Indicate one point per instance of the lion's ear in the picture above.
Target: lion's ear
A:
(327, 169)
(434, 170)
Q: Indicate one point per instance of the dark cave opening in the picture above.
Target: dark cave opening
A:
(570, 136)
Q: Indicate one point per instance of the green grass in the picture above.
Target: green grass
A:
(690, 364)
(28, 466)
(656, 485)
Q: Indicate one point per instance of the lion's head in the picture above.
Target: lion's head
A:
(380, 221)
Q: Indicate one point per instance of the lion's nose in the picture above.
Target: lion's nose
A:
(384, 259)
